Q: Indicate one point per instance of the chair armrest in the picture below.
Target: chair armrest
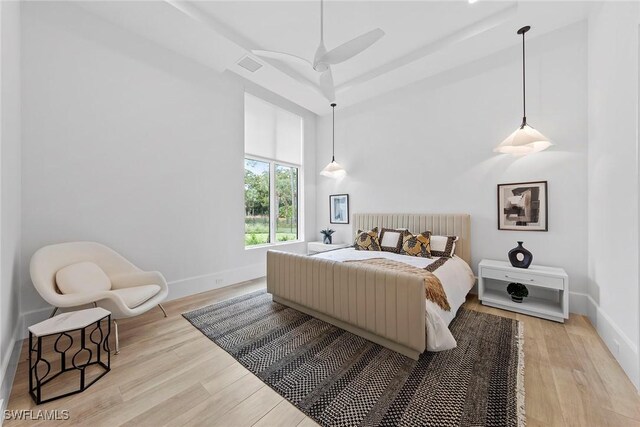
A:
(129, 280)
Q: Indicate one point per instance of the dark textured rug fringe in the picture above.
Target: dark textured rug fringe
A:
(522, 417)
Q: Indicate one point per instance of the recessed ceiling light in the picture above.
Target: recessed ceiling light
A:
(472, 1)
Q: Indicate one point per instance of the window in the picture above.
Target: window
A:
(256, 202)
(287, 203)
(273, 157)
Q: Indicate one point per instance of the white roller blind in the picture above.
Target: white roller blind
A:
(271, 132)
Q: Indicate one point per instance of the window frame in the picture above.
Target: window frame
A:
(273, 210)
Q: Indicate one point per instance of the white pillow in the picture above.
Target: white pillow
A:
(82, 277)
(443, 246)
(391, 239)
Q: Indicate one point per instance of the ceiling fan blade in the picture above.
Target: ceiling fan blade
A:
(281, 56)
(351, 48)
(326, 85)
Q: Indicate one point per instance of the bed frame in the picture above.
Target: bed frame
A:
(386, 307)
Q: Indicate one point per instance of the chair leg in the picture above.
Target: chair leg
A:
(163, 310)
(53, 313)
(115, 326)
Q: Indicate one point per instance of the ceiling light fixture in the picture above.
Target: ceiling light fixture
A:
(472, 1)
(333, 169)
(525, 140)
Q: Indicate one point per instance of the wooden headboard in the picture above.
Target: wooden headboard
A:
(439, 224)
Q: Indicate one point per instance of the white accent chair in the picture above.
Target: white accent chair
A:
(132, 292)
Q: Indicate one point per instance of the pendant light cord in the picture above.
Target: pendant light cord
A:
(321, 20)
(333, 137)
(524, 87)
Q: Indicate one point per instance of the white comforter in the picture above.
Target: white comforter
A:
(455, 275)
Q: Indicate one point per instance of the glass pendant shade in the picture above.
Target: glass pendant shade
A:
(333, 170)
(525, 140)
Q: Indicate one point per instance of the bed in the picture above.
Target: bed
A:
(384, 306)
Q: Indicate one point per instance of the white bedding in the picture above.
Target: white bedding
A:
(455, 275)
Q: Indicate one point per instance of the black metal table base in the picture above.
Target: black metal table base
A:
(93, 352)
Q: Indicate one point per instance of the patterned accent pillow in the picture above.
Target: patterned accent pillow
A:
(391, 239)
(443, 246)
(419, 245)
(367, 240)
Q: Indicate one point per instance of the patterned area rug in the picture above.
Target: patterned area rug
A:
(340, 379)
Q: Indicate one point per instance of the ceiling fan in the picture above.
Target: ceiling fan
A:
(323, 59)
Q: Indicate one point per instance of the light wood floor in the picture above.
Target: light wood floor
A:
(168, 373)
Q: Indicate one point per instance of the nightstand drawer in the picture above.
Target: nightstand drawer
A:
(526, 277)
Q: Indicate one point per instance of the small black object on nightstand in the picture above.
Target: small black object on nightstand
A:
(520, 257)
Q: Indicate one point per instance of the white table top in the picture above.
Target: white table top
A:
(68, 321)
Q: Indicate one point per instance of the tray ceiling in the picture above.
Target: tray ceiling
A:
(422, 38)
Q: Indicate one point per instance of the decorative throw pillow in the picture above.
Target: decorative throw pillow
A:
(419, 245)
(443, 246)
(82, 277)
(367, 240)
(391, 239)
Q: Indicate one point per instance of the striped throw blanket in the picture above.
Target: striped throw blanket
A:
(434, 291)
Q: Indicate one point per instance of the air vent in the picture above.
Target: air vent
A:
(250, 64)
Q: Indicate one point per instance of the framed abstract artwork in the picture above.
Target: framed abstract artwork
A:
(523, 206)
(339, 209)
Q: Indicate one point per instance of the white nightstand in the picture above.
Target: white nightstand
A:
(548, 289)
(317, 247)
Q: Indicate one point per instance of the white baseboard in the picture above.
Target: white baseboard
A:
(622, 348)
(207, 282)
(10, 366)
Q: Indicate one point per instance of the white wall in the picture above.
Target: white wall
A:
(428, 148)
(10, 191)
(132, 145)
(613, 180)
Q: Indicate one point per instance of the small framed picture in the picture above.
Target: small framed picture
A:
(523, 206)
(339, 209)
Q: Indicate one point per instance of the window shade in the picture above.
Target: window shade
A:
(271, 132)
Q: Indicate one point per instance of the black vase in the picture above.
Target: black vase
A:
(327, 239)
(520, 257)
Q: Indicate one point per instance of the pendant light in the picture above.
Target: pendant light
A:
(525, 140)
(333, 169)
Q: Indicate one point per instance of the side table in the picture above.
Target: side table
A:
(548, 288)
(52, 353)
